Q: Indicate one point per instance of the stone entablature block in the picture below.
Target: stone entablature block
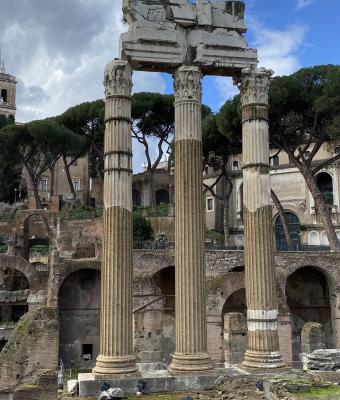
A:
(166, 34)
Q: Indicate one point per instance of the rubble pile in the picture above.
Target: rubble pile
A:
(234, 388)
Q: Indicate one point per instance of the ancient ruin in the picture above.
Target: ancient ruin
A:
(189, 40)
(184, 312)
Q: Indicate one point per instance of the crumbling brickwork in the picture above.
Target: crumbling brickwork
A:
(32, 348)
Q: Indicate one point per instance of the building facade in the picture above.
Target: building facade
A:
(291, 189)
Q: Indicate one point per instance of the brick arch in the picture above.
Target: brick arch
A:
(22, 217)
(234, 281)
(287, 272)
(67, 273)
(23, 266)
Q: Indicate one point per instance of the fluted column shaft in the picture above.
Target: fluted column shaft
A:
(263, 343)
(116, 332)
(191, 336)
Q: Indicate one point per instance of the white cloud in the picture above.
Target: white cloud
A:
(60, 52)
(304, 3)
(279, 50)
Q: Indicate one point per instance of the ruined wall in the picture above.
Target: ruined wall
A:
(32, 347)
(78, 249)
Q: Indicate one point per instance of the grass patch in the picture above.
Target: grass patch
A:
(7, 216)
(331, 392)
(3, 248)
(42, 249)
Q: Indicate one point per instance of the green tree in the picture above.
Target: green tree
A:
(153, 118)
(304, 115)
(142, 229)
(10, 170)
(230, 125)
(217, 148)
(87, 121)
(37, 146)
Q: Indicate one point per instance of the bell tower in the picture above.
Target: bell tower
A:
(8, 85)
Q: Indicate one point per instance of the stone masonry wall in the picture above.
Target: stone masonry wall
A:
(33, 347)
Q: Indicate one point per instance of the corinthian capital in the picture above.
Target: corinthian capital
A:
(118, 78)
(254, 86)
(188, 84)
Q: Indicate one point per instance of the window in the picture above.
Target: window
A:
(337, 150)
(235, 166)
(206, 170)
(275, 161)
(43, 185)
(87, 350)
(306, 155)
(3, 96)
(76, 184)
(325, 185)
(210, 204)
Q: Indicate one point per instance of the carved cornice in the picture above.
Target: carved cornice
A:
(254, 86)
(188, 84)
(118, 79)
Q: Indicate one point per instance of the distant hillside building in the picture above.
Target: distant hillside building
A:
(8, 84)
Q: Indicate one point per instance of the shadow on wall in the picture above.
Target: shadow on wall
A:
(79, 308)
(308, 300)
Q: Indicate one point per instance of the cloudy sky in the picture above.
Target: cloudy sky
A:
(58, 48)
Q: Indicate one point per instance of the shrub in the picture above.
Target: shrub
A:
(142, 229)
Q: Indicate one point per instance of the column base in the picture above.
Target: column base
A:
(112, 366)
(190, 362)
(263, 359)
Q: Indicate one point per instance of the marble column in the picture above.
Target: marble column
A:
(191, 331)
(263, 342)
(116, 332)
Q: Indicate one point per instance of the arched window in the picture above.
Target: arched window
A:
(294, 230)
(325, 185)
(235, 165)
(3, 97)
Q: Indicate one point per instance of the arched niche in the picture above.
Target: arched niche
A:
(79, 308)
(308, 299)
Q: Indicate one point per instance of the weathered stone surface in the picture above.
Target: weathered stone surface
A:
(191, 332)
(116, 339)
(322, 360)
(312, 337)
(262, 314)
(164, 35)
(32, 347)
(235, 337)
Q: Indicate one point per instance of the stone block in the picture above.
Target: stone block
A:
(321, 360)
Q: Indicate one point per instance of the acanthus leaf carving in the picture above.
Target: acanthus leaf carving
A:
(118, 78)
(188, 84)
(254, 85)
